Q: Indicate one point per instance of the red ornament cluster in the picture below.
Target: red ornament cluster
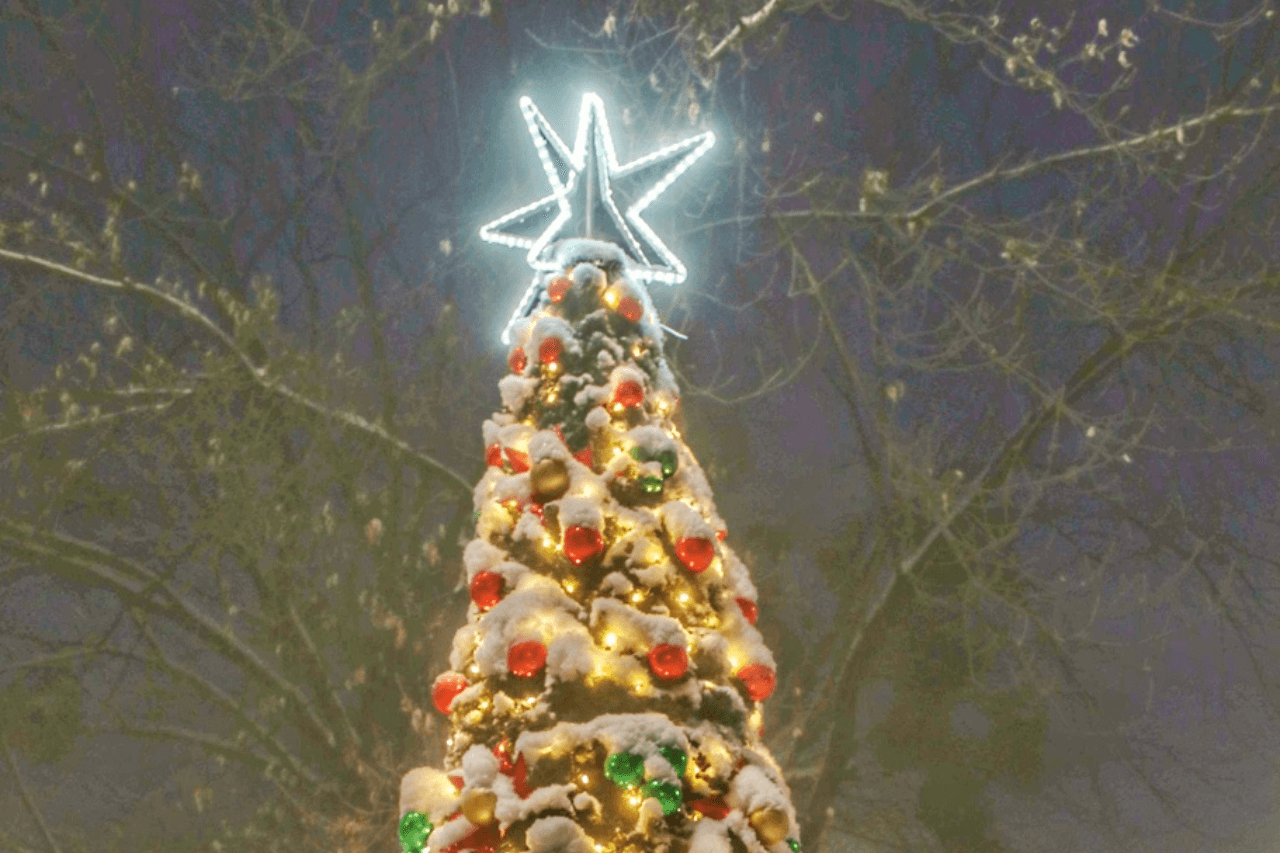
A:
(558, 288)
(446, 689)
(517, 361)
(550, 350)
(486, 589)
(630, 309)
(668, 661)
(759, 680)
(629, 393)
(517, 459)
(713, 807)
(582, 543)
(695, 553)
(526, 658)
(748, 608)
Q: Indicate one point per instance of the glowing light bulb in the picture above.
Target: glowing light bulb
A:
(610, 639)
(637, 597)
(683, 598)
(611, 298)
(586, 780)
(547, 542)
(473, 669)
(617, 408)
(570, 586)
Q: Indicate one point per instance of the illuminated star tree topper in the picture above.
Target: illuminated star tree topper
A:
(587, 188)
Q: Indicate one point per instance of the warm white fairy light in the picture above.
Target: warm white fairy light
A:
(653, 260)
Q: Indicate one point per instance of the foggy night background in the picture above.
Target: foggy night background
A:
(1179, 671)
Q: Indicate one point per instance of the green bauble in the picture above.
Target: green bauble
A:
(414, 829)
(624, 769)
(667, 795)
(651, 485)
(638, 454)
(667, 459)
(675, 757)
(794, 845)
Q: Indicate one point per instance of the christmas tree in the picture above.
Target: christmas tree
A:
(605, 692)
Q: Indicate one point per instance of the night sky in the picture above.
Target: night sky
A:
(1179, 673)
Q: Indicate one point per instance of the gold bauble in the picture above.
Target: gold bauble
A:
(770, 824)
(549, 478)
(478, 806)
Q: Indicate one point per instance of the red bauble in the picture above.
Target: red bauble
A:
(668, 661)
(503, 753)
(526, 658)
(629, 393)
(713, 807)
(517, 361)
(582, 543)
(748, 608)
(458, 782)
(759, 681)
(695, 553)
(722, 535)
(493, 455)
(520, 778)
(519, 460)
(630, 309)
(584, 456)
(486, 589)
(446, 689)
(549, 350)
(558, 288)
(483, 840)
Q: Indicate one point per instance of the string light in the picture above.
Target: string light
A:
(610, 639)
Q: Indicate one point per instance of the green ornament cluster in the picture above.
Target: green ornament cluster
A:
(626, 770)
(666, 458)
(415, 827)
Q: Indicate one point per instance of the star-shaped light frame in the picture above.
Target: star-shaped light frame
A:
(573, 193)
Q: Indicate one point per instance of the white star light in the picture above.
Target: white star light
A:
(583, 185)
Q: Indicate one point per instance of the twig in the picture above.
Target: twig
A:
(999, 174)
(136, 585)
(188, 312)
(27, 798)
(740, 29)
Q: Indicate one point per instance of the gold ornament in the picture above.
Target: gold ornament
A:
(478, 806)
(770, 824)
(549, 478)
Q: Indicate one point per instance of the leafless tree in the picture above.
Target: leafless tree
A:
(1056, 352)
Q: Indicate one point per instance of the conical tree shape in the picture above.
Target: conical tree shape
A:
(604, 693)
